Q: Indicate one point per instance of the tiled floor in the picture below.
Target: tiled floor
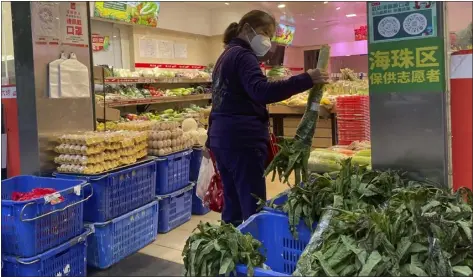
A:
(169, 246)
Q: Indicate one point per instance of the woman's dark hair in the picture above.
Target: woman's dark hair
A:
(255, 19)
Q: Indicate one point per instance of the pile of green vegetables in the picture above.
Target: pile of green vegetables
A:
(357, 186)
(216, 250)
(293, 154)
(373, 223)
(422, 231)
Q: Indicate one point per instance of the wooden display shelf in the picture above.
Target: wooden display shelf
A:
(285, 119)
(158, 100)
(144, 80)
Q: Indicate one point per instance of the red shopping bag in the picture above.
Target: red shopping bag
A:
(214, 196)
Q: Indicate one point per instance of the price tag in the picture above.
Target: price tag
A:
(314, 106)
(77, 190)
(54, 198)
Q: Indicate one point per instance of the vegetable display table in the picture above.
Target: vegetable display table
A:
(285, 119)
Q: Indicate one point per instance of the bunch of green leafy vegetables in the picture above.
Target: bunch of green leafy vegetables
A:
(216, 250)
(293, 154)
(357, 186)
(421, 231)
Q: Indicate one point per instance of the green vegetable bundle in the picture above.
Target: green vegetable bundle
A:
(216, 250)
(294, 154)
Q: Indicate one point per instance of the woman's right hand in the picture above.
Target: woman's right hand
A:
(318, 77)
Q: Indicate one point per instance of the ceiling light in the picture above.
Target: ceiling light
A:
(325, 2)
(315, 29)
(281, 6)
(338, 8)
(227, 3)
(350, 15)
(312, 19)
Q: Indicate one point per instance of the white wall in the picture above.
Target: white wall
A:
(221, 18)
(176, 16)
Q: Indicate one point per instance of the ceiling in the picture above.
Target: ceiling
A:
(300, 14)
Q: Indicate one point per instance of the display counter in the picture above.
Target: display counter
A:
(285, 119)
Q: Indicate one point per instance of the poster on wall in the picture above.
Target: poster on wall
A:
(180, 50)
(45, 22)
(148, 48)
(395, 21)
(74, 24)
(165, 49)
(284, 34)
(139, 13)
(100, 43)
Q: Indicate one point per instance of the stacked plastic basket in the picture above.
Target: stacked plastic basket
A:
(282, 250)
(353, 118)
(198, 207)
(174, 190)
(123, 212)
(44, 236)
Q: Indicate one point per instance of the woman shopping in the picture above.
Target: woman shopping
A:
(238, 123)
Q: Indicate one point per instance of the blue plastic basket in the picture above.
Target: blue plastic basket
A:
(281, 249)
(118, 238)
(118, 192)
(175, 209)
(196, 160)
(67, 259)
(172, 172)
(35, 226)
(198, 207)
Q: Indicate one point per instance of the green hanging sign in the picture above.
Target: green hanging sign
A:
(415, 62)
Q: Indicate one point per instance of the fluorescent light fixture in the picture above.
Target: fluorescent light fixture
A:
(350, 15)
(325, 2)
(312, 19)
(226, 3)
(315, 29)
(338, 8)
(281, 6)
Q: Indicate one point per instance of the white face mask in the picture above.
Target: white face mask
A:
(260, 44)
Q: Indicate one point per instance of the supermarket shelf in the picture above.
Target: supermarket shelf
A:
(158, 100)
(279, 113)
(281, 109)
(143, 80)
(294, 110)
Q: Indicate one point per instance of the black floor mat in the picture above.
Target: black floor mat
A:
(140, 265)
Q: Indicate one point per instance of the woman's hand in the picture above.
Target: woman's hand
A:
(318, 77)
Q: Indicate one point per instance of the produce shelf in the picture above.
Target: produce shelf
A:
(158, 100)
(282, 114)
(144, 80)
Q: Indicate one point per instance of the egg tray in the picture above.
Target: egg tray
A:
(172, 153)
(138, 162)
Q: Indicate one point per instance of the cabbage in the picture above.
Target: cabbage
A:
(189, 124)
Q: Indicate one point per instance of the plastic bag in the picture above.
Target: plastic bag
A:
(304, 265)
(321, 165)
(206, 172)
(74, 78)
(54, 76)
(214, 196)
